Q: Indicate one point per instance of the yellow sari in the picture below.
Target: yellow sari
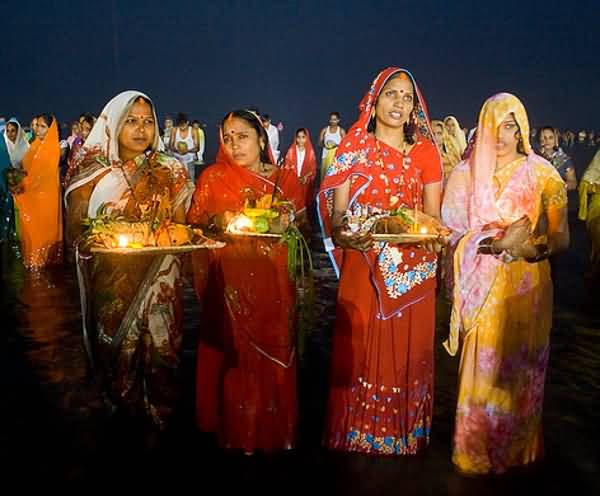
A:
(502, 310)
(449, 150)
(589, 207)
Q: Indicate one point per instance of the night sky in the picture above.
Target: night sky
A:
(299, 60)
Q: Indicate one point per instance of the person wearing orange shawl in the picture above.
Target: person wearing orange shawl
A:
(494, 203)
(38, 203)
(381, 384)
(246, 373)
(301, 159)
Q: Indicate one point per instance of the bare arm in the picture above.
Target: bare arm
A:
(341, 198)
(558, 230)
(432, 197)
(557, 234)
(322, 137)
(571, 179)
(195, 141)
(179, 215)
(341, 236)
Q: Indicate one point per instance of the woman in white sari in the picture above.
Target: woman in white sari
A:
(16, 142)
(132, 305)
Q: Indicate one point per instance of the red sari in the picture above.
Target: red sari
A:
(246, 368)
(308, 168)
(381, 393)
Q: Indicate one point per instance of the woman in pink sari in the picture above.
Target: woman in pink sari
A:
(381, 395)
(502, 300)
(246, 375)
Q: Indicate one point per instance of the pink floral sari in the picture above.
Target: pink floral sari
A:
(502, 312)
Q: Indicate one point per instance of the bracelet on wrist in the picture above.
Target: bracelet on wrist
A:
(542, 253)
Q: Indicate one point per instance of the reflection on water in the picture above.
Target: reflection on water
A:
(57, 428)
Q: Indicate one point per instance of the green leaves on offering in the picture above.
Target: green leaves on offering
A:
(300, 271)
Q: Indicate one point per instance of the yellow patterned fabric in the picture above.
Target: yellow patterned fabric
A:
(502, 312)
(589, 207)
(448, 150)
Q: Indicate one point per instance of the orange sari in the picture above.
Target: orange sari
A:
(40, 216)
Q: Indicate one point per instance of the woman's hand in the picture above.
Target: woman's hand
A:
(515, 236)
(221, 221)
(279, 224)
(345, 239)
(434, 246)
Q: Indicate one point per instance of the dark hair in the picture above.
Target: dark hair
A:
(12, 123)
(47, 118)
(519, 136)
(181, 119)
(195, 121)
(410, 127)
(266, 117)
(303, 129)
(541, 130)
(87, 117)
(255, 123)
(336, 113)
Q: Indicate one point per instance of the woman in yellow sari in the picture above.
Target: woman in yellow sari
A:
(589, 210)
(447, 147)
(38, 205)
(502, 297)
(455, 133)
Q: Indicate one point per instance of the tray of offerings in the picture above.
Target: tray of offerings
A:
(250, 234)
(261, 222)
(210, 244)
(119, 237)
(403, 226)
(407, 238)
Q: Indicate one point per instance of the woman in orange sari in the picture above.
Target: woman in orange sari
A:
(502, 299)
(381, 393)
(39, 206)
(246, 375)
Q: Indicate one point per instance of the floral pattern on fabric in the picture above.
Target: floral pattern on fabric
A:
(400, 277)
(380, 408)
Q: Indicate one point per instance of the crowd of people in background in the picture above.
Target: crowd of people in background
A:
(500, 187)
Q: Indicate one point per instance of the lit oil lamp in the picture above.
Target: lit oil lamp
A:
(240, 224)
(423, 230)
(123, 241)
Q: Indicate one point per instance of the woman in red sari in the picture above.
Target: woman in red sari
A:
(246, 375)
(301, 159)
(381, 395)
(39, 208)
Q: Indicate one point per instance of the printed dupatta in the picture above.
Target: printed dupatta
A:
(475, 207)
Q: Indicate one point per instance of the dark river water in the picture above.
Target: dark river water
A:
(56, 432)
